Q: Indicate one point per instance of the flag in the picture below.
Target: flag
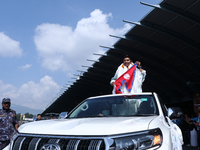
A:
(23, 117)
(127, 78)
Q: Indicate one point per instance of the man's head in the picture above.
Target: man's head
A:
(6, 103)
(198, 107)
(138, 63)
(127, 60)
(39, 116)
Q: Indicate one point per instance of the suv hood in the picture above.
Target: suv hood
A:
(88, 126)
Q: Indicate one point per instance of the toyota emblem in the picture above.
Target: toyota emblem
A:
(50, 147)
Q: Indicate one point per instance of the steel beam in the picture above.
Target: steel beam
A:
(175, 11)
(166, 31)
(181, 58)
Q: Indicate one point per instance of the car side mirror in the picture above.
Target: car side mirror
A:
(63, 115)
(174, 112)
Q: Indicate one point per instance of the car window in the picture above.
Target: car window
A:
(116, 106)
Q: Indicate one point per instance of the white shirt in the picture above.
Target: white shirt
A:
(137, 84)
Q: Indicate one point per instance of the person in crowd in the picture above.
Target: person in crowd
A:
(186, 134)
(51, 117)
(183, 124)
(39, 117)
(186, 130)
(196, 122)
(193, 132)
(139, 76)
(105, 109)
(8, 122)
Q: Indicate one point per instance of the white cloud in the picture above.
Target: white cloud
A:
(33, 95)
(9, 47)
(27, 66)
(61, 48)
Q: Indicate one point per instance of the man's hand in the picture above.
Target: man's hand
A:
(138, 63)
(113, 83)
(100, 114)
(16, 126)
(196, 124)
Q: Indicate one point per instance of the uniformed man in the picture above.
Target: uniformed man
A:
(8, 123)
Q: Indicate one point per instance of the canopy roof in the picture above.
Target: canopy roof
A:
(166, 41)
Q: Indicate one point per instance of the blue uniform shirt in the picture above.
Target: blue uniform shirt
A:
(8, 120)
(197, 119)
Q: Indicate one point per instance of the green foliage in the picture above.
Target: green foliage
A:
(27, 115)
(18, 116)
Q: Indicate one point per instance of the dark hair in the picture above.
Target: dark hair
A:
(128, 56)
(38, 114)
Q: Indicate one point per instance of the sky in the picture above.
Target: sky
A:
(44, 42)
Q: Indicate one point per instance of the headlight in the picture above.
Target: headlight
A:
(138, 141)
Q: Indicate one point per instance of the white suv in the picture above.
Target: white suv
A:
(111, 122)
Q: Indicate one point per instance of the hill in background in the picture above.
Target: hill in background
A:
(23, 109)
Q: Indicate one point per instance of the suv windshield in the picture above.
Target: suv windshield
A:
(116, 106)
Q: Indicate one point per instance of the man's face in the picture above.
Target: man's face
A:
(39, 116)
(198, 108)
(127, 61)
(6, 106)
(138, 63)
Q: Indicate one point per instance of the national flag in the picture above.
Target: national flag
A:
(127, 78)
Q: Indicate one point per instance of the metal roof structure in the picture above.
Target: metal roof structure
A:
(166, 41)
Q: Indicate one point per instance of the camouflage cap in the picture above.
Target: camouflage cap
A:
(6, 100)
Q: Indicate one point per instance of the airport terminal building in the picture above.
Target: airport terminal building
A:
(166, 41)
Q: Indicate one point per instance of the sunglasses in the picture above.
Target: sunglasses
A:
(6, 103)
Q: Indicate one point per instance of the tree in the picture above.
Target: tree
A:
(18, 116)
(27, 115)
